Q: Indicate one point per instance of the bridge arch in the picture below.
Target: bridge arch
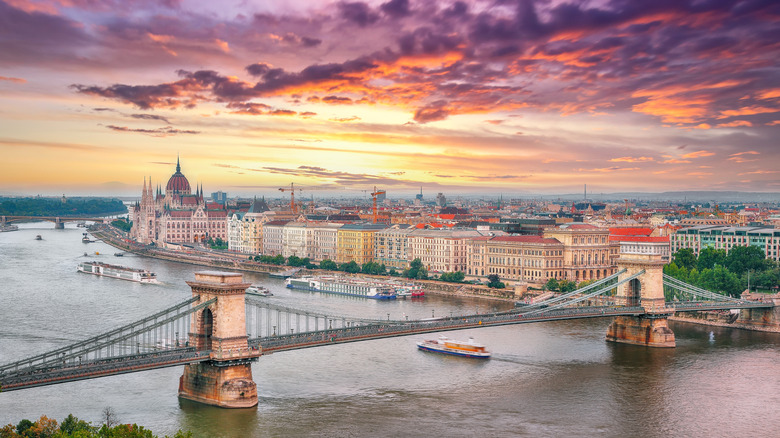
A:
(207, 329)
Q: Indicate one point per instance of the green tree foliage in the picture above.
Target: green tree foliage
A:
(329, 265)
(297, 261)
(720, 279)
(217, 243)
(745, 258)
(567, 286)
(72, 427)
(709, 257)
(495, 282)
(374, 268)
(55, 207)
(122, 225)
(271, 260)
(416, 270)
(453, 277)
(552, 284)
(685, 258)
(351, 267)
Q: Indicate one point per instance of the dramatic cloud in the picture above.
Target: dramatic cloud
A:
(157, 132)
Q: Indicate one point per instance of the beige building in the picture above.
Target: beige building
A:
(531, 259)
(586, 253)
(391, 247)
(355, 242)
(442, 250)
(322, 241)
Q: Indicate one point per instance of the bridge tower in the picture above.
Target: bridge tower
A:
(651, 329)
(59, 224)
(224, 380)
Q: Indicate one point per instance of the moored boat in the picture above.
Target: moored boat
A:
(452, 347)
(259, 290)
(344, 286)
(116, 271)
(8, 227)
(38, 237)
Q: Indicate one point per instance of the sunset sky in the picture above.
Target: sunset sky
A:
(511, 96)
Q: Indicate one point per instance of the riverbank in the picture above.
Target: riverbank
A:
(236, 262)
(713, 319)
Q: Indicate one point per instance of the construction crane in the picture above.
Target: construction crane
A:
(291, 189)
(374, 194)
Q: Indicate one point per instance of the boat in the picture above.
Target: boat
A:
(409, 290)
(8, 227)
(116, 271)
(85, 239)
(452, 347)
(119, 254)
(344, 286)
(259, 290)
(38, 237)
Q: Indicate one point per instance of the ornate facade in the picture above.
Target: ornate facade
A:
(176, 215)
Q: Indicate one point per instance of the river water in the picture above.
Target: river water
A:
(546, 379)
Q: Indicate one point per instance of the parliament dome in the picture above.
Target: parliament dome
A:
(178, 183)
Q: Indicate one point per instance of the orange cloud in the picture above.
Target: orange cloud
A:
(15, 80)
(699, 154)
(747, 111)
(632, 159)
(223, 45)
(734, 124)
(770, 94)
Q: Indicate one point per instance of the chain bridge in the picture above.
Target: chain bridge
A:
(59, 221)
(222, 329)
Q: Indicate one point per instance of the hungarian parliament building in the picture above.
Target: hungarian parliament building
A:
(176, 215)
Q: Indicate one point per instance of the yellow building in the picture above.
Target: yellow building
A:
(356, 242)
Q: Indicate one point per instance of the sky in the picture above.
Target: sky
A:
(520, 97)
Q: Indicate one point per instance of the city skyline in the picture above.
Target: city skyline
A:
(527, 97)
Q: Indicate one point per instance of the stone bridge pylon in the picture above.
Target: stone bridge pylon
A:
(647, 290)
(224, 380)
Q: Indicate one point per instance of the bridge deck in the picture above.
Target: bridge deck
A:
(31, 377)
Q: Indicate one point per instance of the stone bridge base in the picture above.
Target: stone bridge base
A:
(226, 387)
(641, 331)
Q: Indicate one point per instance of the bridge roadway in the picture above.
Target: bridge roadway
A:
(55, 219)
(32, 377)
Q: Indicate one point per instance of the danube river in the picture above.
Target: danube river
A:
(545, 379)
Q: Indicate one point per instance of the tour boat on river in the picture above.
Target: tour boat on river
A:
(259, 290)
(452, 347)
(116, 271)
(344, 286)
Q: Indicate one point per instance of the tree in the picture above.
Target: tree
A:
(328, 265)
(351, 267)
(745, 258)
(453, 277)
(414, 269)
(567, 286)
(494, 281)
(70, 425)
(709, 257)
(552, 284)
(720, 279)
(109, 417)
(685, 257)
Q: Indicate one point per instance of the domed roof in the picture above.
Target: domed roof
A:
(178, 182)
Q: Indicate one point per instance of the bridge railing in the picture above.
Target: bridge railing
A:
(115, 342)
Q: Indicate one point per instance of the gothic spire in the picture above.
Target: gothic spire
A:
(178, 166)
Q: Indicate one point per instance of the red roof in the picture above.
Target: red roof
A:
(180, 213)
(631, 231)
(662, 239)
(216, 213)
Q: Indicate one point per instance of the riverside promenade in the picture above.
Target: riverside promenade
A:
(221, 260)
